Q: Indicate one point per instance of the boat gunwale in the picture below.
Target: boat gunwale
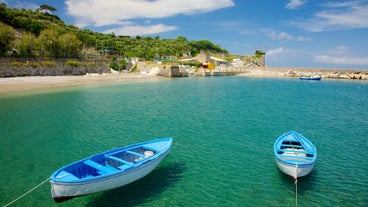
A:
(135, 166)
(105, 177)
(307, 145)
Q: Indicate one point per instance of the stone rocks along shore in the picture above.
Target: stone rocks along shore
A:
(297, 72)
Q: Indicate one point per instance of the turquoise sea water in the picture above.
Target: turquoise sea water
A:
(223, 128)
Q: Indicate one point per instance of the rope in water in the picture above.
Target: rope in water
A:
(34, 188)
(296, 186)
(296, 192)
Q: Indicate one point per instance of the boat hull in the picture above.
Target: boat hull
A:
(294, 170)
(62, 191)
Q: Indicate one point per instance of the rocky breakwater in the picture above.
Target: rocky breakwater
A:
(298, 72)
(329, 74)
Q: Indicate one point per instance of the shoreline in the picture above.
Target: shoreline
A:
(11, 85)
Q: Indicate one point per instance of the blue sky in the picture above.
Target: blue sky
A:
(295, 33)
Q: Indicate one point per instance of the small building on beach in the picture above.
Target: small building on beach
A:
(205, 59)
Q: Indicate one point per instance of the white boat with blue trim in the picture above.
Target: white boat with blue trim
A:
(311, 77)
(107, 170)
(295, 155)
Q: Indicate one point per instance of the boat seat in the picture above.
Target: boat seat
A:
(124, 167)
(136, 154)
(101, 168)
(297, 157)
(291, 146)
(301, 152)
(150, 148)
(119, 160)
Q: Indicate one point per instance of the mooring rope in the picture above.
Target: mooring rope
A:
(296, 186)
(34, 188)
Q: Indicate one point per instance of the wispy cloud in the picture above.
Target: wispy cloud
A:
(283, 56)
(280, 36)
(304, 39)
(276, 52)
(116, 12)
(337, 16)
(133, 30)
(340, 50)
(293, 4)
(341, 55)
(284, 36)
(341, 60)
(282, 52)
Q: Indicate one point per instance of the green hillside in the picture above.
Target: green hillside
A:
(41, 34)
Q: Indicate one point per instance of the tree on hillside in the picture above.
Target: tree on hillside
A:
(47, 8)
(6, 38)
(48, 44)
(47, 11)
(25, 45)
(69, 44)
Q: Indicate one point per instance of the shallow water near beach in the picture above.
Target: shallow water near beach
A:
(223, 128)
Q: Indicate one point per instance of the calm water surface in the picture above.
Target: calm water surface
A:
(223, 129)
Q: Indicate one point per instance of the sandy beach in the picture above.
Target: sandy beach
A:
(30, 83)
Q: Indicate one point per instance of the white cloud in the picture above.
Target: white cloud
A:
(280, 36)
(341, 55)
(340, 50)
(116, 12)
(341, 60)
(304, 39)
(133, 30)
(293, 4)
(276, 52)
(285, 36)
(281, 52)
(337, 16)
(284, 57)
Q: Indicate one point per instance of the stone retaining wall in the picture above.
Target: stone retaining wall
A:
(58, 70)
(174, 71)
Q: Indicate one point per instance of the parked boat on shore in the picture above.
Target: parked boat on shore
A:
(295, 155)
(107, 170)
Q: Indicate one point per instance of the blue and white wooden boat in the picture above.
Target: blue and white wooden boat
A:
(295, 155)
(107, 170)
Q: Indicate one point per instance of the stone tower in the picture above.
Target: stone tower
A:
(261, 55)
